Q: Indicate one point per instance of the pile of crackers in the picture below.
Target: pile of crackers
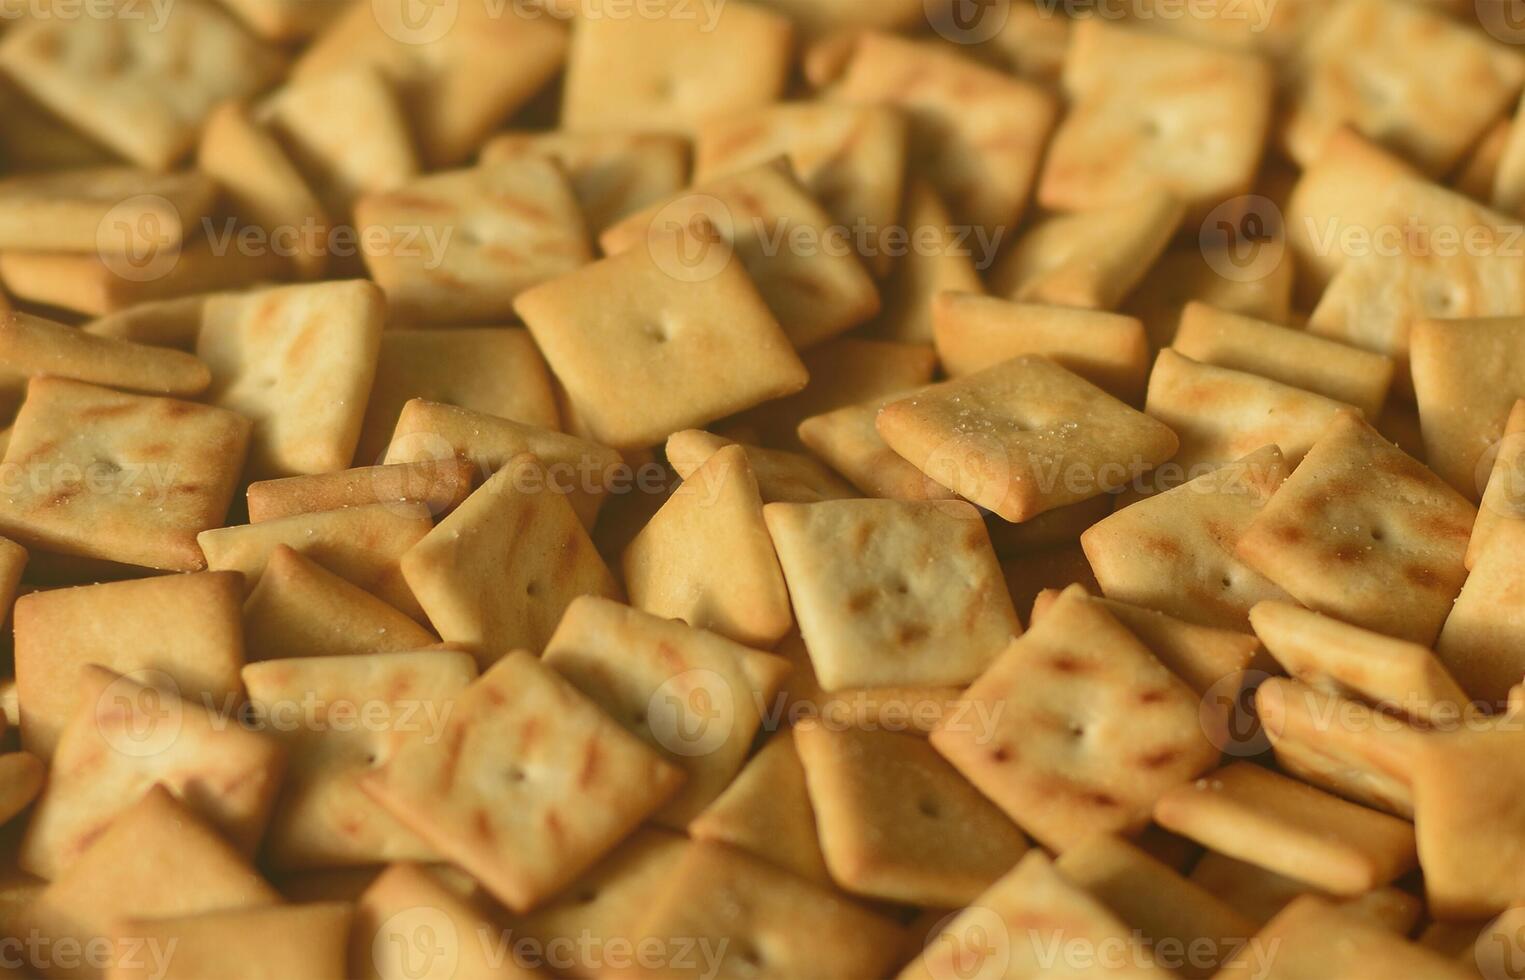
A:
(801, 489)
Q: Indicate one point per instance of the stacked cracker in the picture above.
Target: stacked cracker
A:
(764, 489)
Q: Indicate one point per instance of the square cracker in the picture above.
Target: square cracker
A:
(1337, 658)
(1010, 931)
(1149, 111)
(460, 245)
(33, 347)
(322, 819)
(1481, 643)
(782, 476)
(706, 558)
(851, 157)
(528, 784)
(585, 471)
(673, 68)
(976, 133)
(1381, 69)
(497, 574)
(101, 474)
(188, 627)
(939, 263)
(139, 86)
(301, 609)
(439, 484)
(890, 593)
(1222, 415)
(1175, 552)
(299, 361)
(975, 332)
(103, 208)
(128, 733)
(1091, 259)
(158, 859)
(361, 544)
(694, 696)
(816, 289)
(455, 85)
(898, 823)
(613, 174)
(849, 440)
(1467, 376)
(618, 330)
(1504, 494)
(1089, 728)
(1366, 533)
(1259, 894)
(1293, 357)
(1025, 437)
(1276, 822)
(492, 371)
(760, 922)
(298, 942)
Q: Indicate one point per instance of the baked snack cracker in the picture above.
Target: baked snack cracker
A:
(439, 484)
(298, 942)
(849, 440)
(1182, 276)
(34, 347)
(1467, 376)
(782, 476)
(937, 263)
(1259, 894)
(1504, 494)
(1480, 642)
(102, 208)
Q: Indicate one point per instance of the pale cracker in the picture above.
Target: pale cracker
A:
(933, 262)
(1467, 375)
(35, 347)
(1182, 276)
(782, 476)
(1259, 894)
(439, 484)
(104, 208)
(1504, 494)
(1480, 643)
(294, 942)
(848, 439)
(173, 323)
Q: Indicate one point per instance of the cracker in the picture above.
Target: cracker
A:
(1024, 437)
(127, 734)
(106, 208)
(1222, 415)
(851, 158)
(149, 106)
(932, 263)
(693, 696)
(1479, 170)
(898, 823)
(1361, 65)
(613, 174)
(1318, 938)
(21, 779)
(1182, 276)
(363, 545)
(407, 898)
(913, 709)
(1289, 827)
(1382, 527)
(1292, 357)
(1504, 494)
(35, 139)
(816, 289)
(1189, 928)
(976, 332)
(492, 371)
(706, 557)
(455, 85)
(782, 476)
(1175, 552)
(301, 942)
(849, 440)
(1337, 658)
(173, 323)
(33, 347)
(186, 627)
(285, 20)
(128, 478)
(264, 187)
(299, 361)
(1154, 112)
(710, 346)
(345, 132)
(340, 717)
(1094, 730)
(1259, 894)
(585, 471)
(1338, 745)
(1091, 259)
(1467, 375)
(528, 784)
(460, 246)
(158, 859)
(1480, 643)
(1010, 931)
(300, 609)
(674, 68)
(736, 915)
(892, 593)
(498, 573)
(766, 812)
(439, 484)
